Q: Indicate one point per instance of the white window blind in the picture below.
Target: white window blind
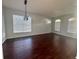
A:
(21, 25)
(72, 27)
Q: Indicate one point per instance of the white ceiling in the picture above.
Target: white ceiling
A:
(47, 8)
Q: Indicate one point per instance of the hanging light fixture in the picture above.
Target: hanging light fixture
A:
(25, 17)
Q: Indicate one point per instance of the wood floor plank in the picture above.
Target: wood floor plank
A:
(45, 46)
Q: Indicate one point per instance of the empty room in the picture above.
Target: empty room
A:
(39, 29)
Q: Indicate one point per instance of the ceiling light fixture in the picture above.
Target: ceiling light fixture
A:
(25, 17)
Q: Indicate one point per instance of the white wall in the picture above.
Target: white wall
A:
(39, 24)
(3, 27)
(63, 26)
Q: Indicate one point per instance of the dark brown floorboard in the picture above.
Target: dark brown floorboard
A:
(46, 46)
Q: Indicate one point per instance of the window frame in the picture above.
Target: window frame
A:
(58, 21)
(69, 27)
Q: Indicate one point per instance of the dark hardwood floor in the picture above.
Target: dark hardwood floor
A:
(45, 46)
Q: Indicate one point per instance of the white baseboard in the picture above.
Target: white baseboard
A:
(28, 35)
(65, 35)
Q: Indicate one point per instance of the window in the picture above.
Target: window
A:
(72, 25)
(57, 25)
(20, 25)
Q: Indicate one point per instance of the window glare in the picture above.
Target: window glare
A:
(48, 21)
(58, 20)
(71, 19)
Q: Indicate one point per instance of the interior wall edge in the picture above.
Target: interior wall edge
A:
(65, 35)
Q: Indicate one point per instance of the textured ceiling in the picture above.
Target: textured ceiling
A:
(47, 8)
